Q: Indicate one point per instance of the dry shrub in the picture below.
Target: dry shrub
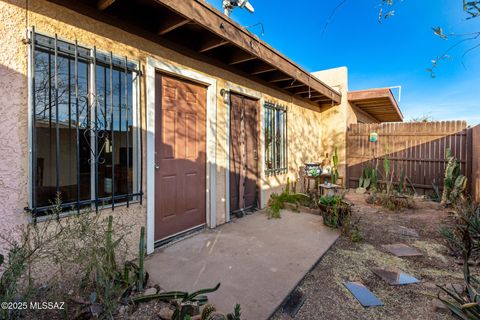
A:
(390, 201)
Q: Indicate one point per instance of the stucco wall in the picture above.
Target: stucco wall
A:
(336, 118)
(13, 111)
(312, 132)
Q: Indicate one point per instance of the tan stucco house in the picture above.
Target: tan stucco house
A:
(166, 112)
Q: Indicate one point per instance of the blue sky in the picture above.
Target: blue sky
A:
(396, 52)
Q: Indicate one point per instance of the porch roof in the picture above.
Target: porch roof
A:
(380, 104)
(197, 29)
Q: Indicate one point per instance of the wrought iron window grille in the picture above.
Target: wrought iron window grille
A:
(276, 137)
(90, 99)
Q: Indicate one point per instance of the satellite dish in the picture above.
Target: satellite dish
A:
(229, 5)
(245, 4)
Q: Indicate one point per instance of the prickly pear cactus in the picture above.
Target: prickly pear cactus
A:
(452, 171)
(458, 188)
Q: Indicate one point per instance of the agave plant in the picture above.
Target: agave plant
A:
(464, 237)
(465, 305)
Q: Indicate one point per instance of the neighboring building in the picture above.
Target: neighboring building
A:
(167, 112)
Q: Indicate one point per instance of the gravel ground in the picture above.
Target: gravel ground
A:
(327, 298)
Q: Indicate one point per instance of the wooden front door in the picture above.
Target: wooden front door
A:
(180, 156)
(243, 153)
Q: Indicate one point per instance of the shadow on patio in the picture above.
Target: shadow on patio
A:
(258, 261)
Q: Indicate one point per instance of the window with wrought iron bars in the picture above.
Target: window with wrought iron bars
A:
(85, 138)
(276, 156)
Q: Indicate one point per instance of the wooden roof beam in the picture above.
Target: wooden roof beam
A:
(211, 43)
(279, 78)
(104, 4)
(295, 85)
(171, 24)
(240, 56)
(208, 17)
(262, 69)
(303, 91)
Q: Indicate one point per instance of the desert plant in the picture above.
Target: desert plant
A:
(277, 202)
(386, 166)
(335, 174)
(464, 237)
(335, 212)
(391, 202)
(458, 188)
(401, 181)
(236, 314)
(454, 183)
(184, 300)
(330, 200)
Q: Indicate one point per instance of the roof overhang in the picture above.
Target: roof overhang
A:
(197, 29)
(380, 104)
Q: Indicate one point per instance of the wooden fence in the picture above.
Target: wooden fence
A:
(476, 163)
(417, 149)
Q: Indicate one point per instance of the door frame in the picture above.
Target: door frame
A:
(167, 67)
(249, 93)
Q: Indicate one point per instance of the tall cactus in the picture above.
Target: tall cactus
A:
(335, 174)
(452, 171)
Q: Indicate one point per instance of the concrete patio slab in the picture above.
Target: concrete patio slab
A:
(257, 261)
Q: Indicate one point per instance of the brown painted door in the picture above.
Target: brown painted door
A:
(180, 156)
(243, 153)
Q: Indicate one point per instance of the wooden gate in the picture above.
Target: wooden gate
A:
(417, 149)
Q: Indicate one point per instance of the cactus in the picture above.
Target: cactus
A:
(374, 179)
(452, 171)
(401, 182)
(335, 174)
(141, 260)
(386, 168)
(459, 187)
(287, 187)
(294, 187)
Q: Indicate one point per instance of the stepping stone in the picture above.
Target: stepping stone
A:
(294, 302)
(401, 250)
(404, 231)
(363, 295)
(394, 276)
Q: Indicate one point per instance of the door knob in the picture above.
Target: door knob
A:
(157, 167)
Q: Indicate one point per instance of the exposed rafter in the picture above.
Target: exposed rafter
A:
(262, 69)
(212, 43)
(240, 57)
(171, 24)
(295, 85)
(280, 78)
(104, 4)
